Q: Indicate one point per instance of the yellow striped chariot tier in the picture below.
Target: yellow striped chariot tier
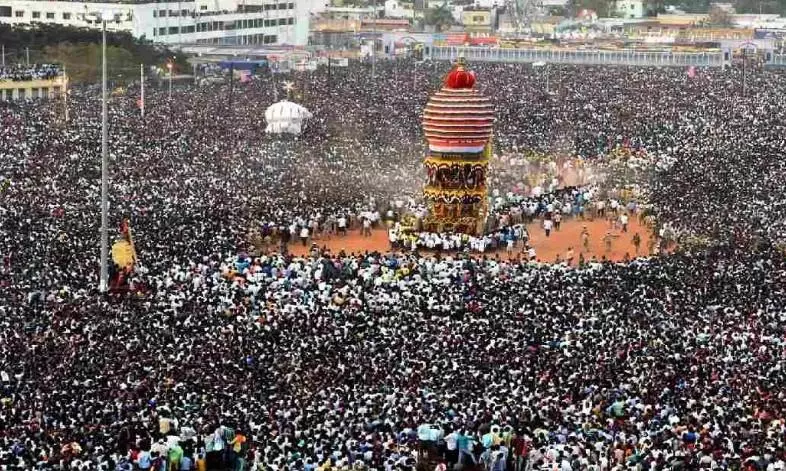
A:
(450, 223)
(462, 196)
(440, 162)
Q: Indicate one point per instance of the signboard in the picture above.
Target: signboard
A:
(306, 66)
(455, 155)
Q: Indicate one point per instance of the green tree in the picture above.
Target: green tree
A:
(83, 61)
(603, 8)
(80, 50)
(440, 17)
(719, 17)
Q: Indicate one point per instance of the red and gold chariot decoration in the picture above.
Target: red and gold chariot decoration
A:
(457, 122)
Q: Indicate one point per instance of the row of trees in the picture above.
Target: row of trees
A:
(79, 49)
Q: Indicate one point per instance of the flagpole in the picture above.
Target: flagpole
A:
(65, 92)
(142, 83)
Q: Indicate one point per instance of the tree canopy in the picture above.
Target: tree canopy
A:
(440, 17)
(79, 49)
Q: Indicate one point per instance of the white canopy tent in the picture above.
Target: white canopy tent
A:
(286, 117)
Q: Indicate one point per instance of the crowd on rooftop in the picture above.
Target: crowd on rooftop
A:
(221, 356)
(26, 72)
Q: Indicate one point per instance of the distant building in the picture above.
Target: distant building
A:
(478, 20)
(546, 26)
(34, 88)
(353, 13)
(683, 19)
(751, 20)
(489, 3)
(199, 21)
(630, 9)
(404, 9)
(385, 24)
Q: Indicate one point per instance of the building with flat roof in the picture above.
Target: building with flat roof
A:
(478, 20)
(195, 21)
(23, 82)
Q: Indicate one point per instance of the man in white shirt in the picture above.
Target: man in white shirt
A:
(548, 224)
(624, 222)
(451, 444)
(366, 227)
(304, 235)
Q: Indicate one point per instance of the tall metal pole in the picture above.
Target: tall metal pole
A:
(3, 55)
(744, 60)
(374, 41)
(104, 168)
(27, 55)
(170, 85)
(231, 97)
(65, 92)
(142, 88)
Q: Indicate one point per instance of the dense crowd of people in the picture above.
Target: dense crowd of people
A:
(20, 72)
(223, 357)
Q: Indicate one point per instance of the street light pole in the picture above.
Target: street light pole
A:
(104, 168)
(374, 42)
(170, 83)
(65, 92)
(744, 60)
(142, 88)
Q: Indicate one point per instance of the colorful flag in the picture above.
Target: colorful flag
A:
(123, 250)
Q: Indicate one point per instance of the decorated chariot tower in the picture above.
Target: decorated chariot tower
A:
(457, 122)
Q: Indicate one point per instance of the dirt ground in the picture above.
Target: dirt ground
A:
(546, 248)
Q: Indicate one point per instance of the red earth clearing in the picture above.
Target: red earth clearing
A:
(546, 248)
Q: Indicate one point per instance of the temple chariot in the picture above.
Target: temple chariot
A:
(457, 122)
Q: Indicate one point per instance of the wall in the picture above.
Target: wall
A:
(476, 20)
(30, 88)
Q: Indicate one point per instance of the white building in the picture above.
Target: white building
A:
(630, 9)
(196, 21)
(398, 9)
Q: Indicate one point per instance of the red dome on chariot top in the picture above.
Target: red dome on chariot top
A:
(459, 77)
(458, 118)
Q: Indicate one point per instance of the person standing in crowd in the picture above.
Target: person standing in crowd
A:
(548, 224)
(585, 239)
(366, 229)
(304, 236)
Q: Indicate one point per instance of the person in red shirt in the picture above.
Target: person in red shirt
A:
(520, 447)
